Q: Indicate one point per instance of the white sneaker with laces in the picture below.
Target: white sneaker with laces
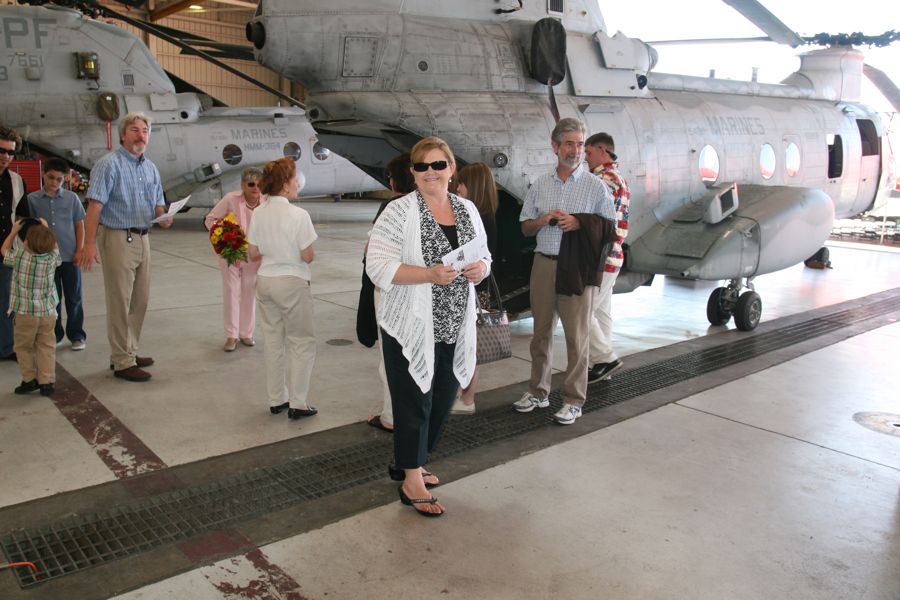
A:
(567, 414)
(528, 403)
(78, 345)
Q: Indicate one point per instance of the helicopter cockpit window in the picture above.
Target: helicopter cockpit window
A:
(321, 152)
(232, 154)
(767, 161)
(792, 159)
(709, 164)
(292, 150)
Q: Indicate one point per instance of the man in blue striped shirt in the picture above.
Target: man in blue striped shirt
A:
(125, 195)
(549, 210)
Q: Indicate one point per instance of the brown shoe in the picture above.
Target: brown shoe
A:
(142, 361)
(134, 373)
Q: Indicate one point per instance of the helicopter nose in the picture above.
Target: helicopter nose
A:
(256, 33)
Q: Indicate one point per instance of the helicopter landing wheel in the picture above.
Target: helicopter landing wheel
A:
(718, 309)
(748, 311)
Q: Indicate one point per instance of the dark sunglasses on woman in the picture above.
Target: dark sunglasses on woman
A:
(438, 165)
(250, 184)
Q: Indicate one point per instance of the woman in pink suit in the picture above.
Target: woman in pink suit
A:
(239, 280)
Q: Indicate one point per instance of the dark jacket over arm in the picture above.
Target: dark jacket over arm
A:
(582, 254)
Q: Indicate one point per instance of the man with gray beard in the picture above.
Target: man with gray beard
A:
(548, 211)
(125, 195)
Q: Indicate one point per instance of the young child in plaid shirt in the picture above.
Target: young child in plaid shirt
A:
(33, 298)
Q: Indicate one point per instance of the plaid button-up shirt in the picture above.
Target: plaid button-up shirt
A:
(32, 291)
(581, 192)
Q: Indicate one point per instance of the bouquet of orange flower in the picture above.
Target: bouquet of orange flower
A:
(228, 239)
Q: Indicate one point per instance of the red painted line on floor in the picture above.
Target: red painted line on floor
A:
(209, 546)
(266, 581)
(120, 449)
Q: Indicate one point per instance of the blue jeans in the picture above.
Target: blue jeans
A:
(68, 285)
(6, 322)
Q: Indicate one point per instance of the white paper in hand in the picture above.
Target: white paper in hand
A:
(173, 208)
(467, 253)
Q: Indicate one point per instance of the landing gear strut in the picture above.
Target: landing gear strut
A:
(728, 301)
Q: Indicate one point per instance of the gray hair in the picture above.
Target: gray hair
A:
(251, 173)
(565, 126)
(131, 118)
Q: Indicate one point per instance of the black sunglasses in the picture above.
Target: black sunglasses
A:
(250, 184)
(438, 165)
(13, 152)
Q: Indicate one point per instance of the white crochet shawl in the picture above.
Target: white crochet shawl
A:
(405, 311)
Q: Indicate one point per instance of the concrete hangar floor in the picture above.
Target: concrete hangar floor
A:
(716, 464)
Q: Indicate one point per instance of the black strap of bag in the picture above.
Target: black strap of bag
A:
(496, 293)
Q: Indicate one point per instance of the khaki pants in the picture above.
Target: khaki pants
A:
(601, 321)
(126, 277)
(286, 318)
(35, 347)
(574, 311)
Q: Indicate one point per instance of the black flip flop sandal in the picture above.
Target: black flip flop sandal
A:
(410, 502)
(399, 475)
(377, 424)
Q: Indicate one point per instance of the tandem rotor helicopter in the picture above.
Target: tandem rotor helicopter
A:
(68, 78)
(729, 179)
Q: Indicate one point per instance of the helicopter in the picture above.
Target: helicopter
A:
(68, 78)
(729, 179)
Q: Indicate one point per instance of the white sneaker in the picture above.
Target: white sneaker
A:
(78, 345)
(528, 403)
(567, 414)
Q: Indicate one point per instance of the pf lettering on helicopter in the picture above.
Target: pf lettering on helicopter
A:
(18, 31)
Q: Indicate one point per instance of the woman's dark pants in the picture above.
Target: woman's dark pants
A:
(419, 418)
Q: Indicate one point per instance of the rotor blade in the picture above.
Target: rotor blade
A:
(760, 16)
(711, 41)
(884, 85)
(153, 30)
(234, 51)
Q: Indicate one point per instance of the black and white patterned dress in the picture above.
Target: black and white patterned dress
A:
(448, 301)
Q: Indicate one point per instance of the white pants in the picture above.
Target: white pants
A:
(286, 317)
(387, 411)
(601, 322)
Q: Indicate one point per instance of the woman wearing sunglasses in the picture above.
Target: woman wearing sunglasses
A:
(426, 314)
(239, 280)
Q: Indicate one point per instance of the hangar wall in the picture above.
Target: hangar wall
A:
(224, 26)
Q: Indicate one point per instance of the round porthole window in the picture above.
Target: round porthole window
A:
(792, 159)
(232, 154)
(767, 161)
(321, 152)
(709, 165)
(292, 150)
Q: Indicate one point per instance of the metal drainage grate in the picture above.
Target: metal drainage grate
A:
(77, 543)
